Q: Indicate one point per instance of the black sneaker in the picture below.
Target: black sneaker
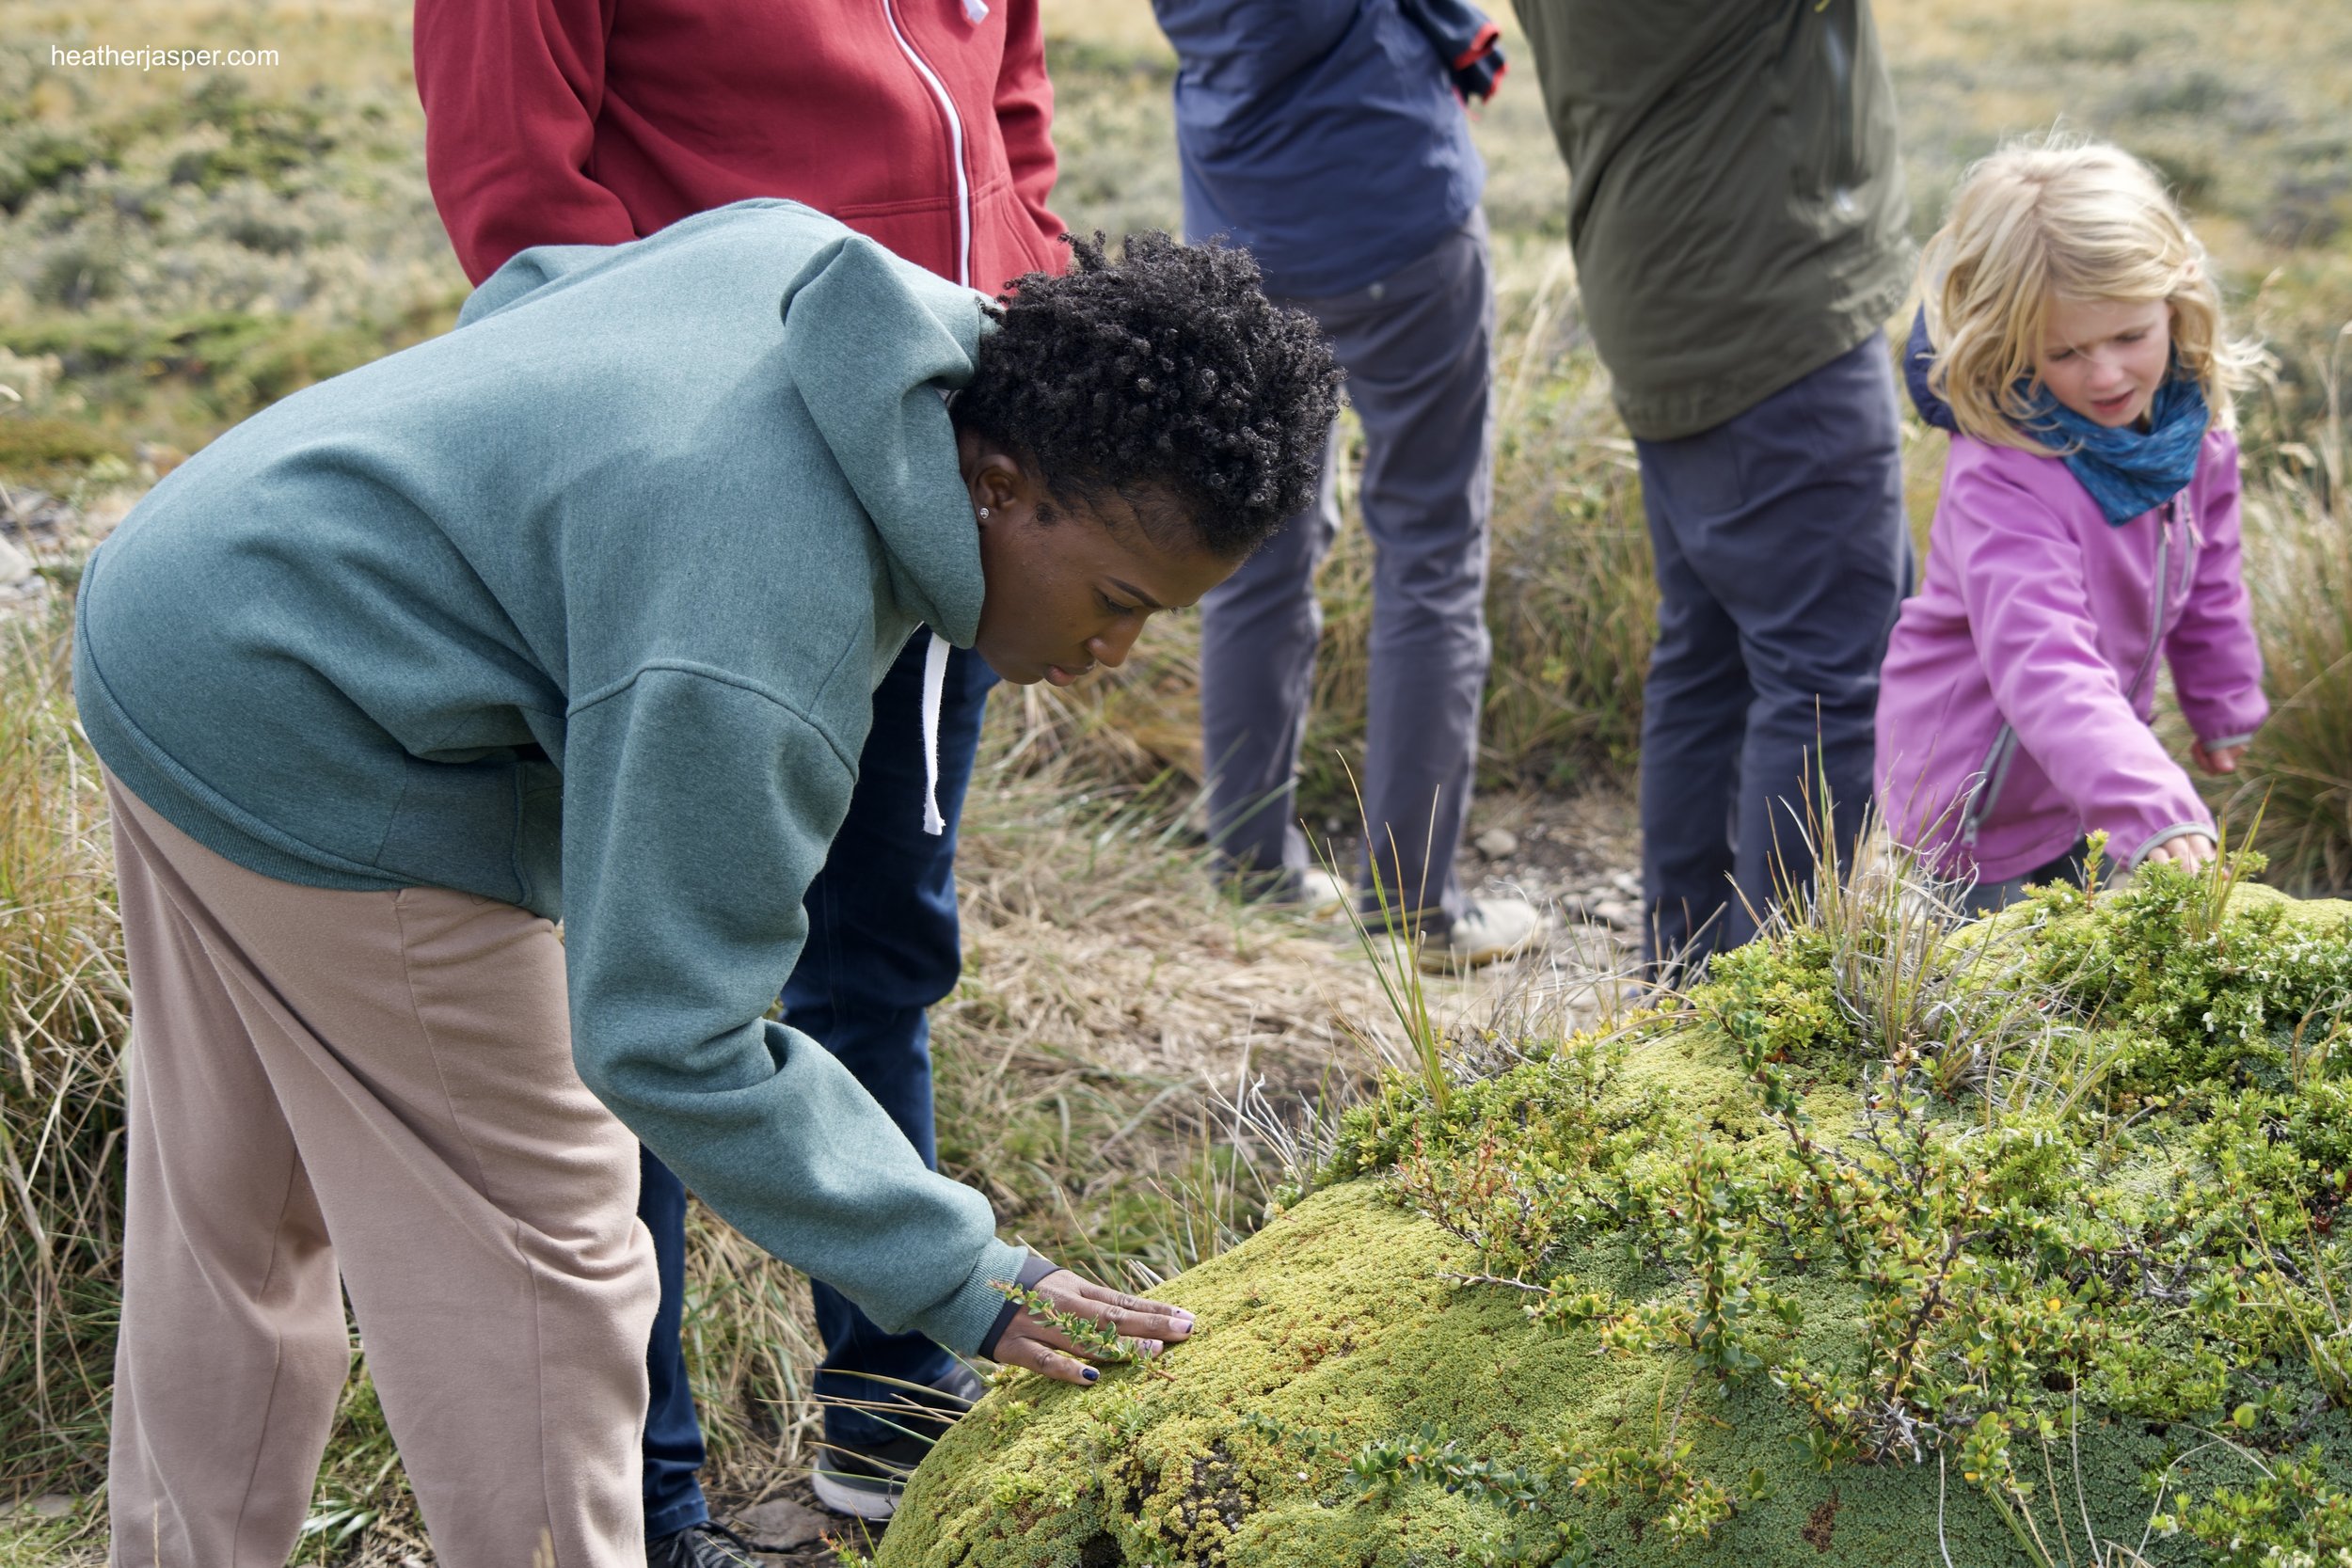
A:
(866, 1481)
(702, 1546)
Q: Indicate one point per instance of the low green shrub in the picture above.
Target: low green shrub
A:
(1895, 1243)
(46, 444)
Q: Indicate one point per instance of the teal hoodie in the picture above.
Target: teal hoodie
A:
(582, 608)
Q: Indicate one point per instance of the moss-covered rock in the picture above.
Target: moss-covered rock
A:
(1899, 1245)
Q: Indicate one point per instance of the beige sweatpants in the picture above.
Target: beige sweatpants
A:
(378, 1085)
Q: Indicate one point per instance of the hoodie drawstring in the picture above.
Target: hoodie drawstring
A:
(934, 682)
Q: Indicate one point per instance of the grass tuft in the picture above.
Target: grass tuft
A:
(63, 1005)
(2298, 556)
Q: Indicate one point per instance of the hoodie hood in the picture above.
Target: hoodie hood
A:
(888, 342)
(884, 340)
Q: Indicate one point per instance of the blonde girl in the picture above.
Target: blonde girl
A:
(2071, 340)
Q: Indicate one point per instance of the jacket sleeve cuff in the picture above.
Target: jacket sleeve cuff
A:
(2222, 742)
(2166, 835)
(1037, 1267)
(964, 1320)
(2240, 714)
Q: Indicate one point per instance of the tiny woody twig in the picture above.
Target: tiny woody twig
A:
(1496, 1280)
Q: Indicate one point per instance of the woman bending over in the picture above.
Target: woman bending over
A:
(576, 614)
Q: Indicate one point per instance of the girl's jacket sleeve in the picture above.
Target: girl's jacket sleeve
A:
(2021, 577)
(511, 91)
(2216, 664)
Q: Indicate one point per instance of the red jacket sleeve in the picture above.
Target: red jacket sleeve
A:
(2216, 664)
(511, 91)
(1024, 118)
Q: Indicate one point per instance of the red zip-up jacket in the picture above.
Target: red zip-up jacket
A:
(597, 121)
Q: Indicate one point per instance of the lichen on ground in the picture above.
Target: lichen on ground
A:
(1897, 1243)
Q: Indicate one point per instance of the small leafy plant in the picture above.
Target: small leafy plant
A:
(1095, 1339)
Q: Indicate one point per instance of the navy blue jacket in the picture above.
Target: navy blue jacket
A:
(1322, 136)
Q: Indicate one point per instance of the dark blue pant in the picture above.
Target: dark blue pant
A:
(1782, 559)
(674, 1439)
(882, 948)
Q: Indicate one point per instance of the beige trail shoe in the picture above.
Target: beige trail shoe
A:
(1324, 894)
(1490, 929)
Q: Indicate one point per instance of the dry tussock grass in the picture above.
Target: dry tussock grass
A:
(1113, 988)
(2298, 567)
(62, 1007)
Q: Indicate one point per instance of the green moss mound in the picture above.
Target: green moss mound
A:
(1900, 1243)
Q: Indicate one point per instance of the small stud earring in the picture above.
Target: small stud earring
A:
(984, 511)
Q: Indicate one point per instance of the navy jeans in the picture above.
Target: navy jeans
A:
(882, 948)
(1783, 556)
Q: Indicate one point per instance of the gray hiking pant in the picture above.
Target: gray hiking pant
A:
(1417, 346)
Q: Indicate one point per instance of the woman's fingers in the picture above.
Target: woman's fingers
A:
(1033, 1342)
(1134, 1315)
(1021, 1346)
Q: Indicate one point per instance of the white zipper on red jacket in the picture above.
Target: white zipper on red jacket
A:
(935, 656)
(954, 139)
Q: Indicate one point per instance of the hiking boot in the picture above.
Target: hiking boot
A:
(866, 1481)
(702, 1546)
(1488, 929)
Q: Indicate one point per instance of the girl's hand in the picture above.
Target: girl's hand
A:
(1032, 1342)
(2221, 760)
(2188, 852)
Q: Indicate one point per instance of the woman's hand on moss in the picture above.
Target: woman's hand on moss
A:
(1034, 1342)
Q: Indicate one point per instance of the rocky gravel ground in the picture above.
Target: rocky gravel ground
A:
(1576, 857)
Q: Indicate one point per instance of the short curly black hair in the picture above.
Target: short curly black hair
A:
(1166, 377)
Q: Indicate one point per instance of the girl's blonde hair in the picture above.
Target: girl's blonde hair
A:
(2070, 219)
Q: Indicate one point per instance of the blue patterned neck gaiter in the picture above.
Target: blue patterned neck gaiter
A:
(2126, 471)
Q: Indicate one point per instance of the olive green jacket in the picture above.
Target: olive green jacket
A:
(1736, 202)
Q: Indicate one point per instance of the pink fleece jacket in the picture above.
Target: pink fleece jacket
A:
(2019, 684)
